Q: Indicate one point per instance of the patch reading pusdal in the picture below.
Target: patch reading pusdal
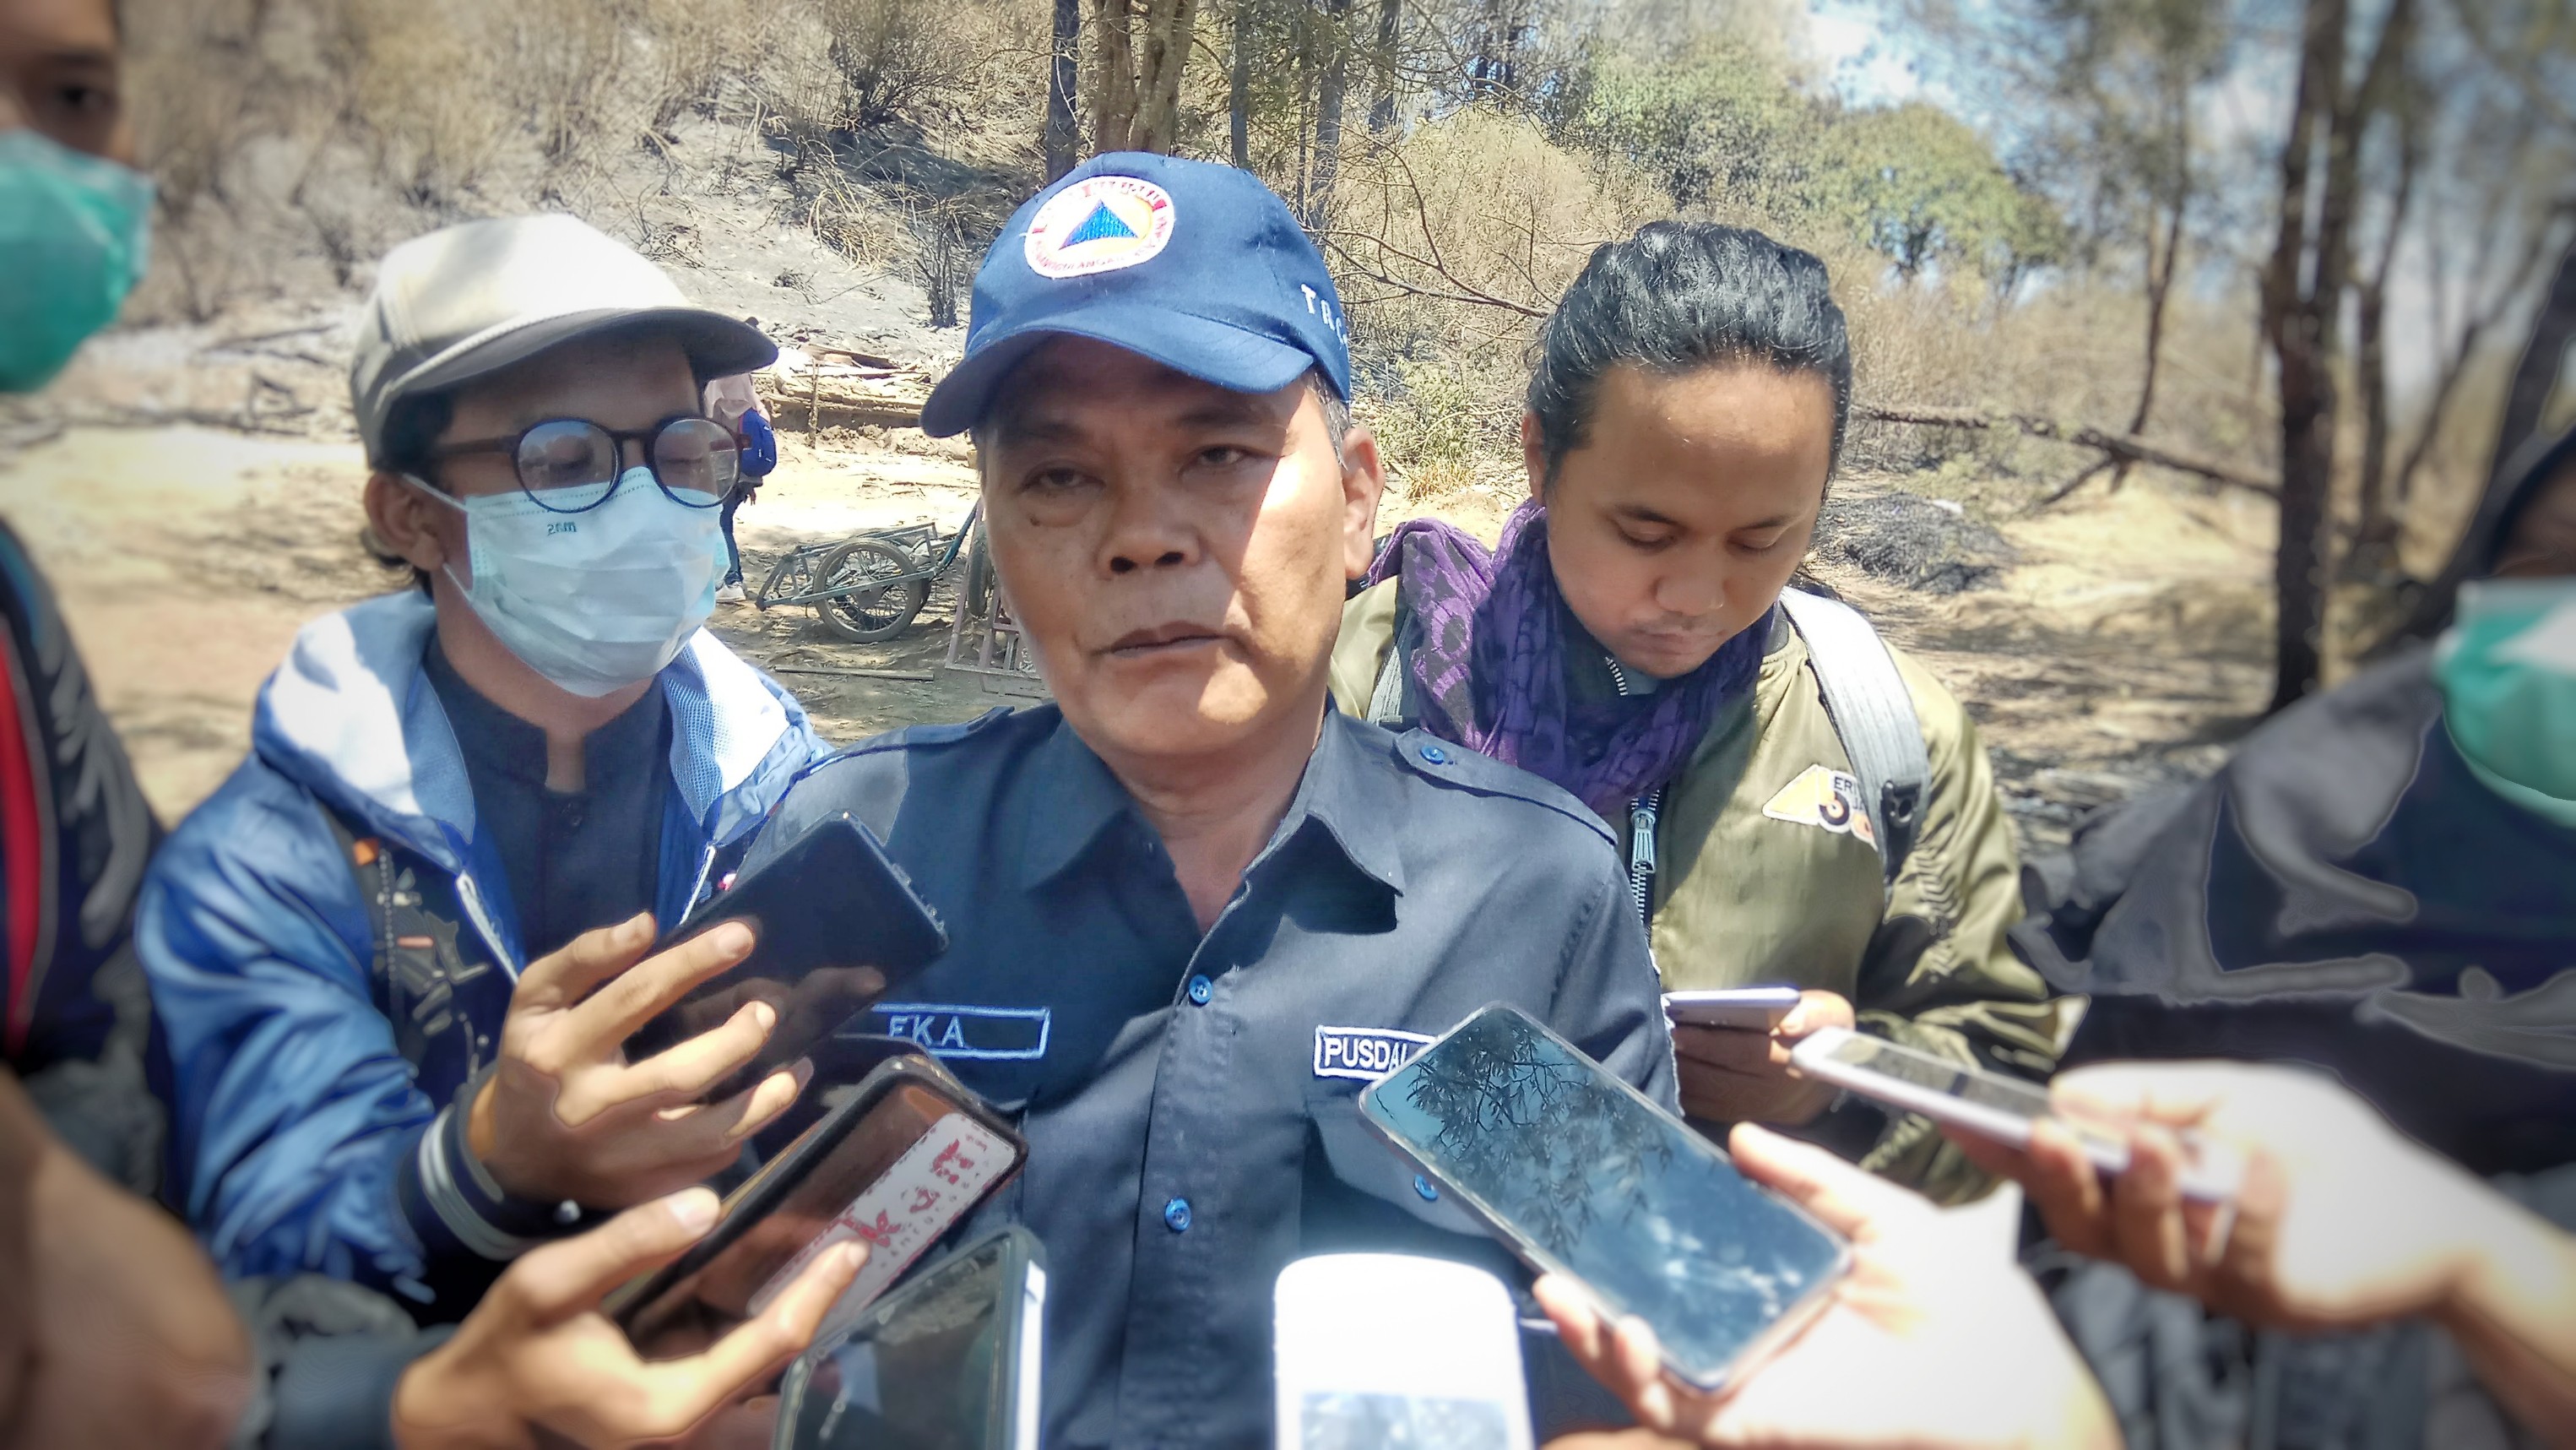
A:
(1823, 796)
(1367, 1053)
(905, 1211)
(1099, 224)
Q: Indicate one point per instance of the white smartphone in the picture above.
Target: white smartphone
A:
(1987, 1103)
(1378, 1350)
(1755, 1009)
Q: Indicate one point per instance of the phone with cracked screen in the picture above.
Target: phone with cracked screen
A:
(835, 926)
(1583, 1175)
(1376, 1350)
(896, 1164)
(951, 1361)
(1988, 1104)
(1753, 1009)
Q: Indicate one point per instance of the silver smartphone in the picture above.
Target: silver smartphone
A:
(1754, 1009)
(1581, 1174)
(1987, 1104)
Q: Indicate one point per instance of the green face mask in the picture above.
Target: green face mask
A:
(75, 231)
(2507, 668)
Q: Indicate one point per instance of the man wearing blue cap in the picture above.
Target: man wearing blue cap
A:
(1195, 908)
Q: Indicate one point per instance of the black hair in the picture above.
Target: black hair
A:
(1677, 297)
(410, 433)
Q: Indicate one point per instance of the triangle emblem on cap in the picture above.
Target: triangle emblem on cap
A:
(1099, 224)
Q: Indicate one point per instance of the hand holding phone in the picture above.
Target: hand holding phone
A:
(567, 1113)
(1737, 1071)
(1940, 1339)
(1432, 1362)
(1992, 1106)
(1580, 1174)
(1750, 1009)
(907, 1155)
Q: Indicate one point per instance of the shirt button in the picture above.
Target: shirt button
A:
(1200, 990)
(1435, 755)
(1429, 1190)
(1176, 1215)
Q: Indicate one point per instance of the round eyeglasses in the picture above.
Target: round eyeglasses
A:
(562, 463)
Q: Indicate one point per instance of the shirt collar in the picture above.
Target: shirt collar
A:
(1074, 799)
(495, 739)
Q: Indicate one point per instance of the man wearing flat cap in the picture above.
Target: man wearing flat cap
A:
(1193, 906)
(372, 952)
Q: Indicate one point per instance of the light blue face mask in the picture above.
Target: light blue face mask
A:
(2507, 668)
(596, 600)
(75, 234)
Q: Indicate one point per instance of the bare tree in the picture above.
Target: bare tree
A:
(1144, 45)
(1328, 109)
(2303, 293)
(1061, 141)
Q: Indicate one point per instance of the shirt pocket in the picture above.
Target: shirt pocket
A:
(1355, 1159)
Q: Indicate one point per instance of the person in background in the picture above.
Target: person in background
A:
(114, 1331)
(1192, 907)
(1636, 639)
(2376, 884)
(2340, 1222)
(452, 790)
(734, 404)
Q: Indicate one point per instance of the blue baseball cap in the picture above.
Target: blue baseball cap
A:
(1196, 266)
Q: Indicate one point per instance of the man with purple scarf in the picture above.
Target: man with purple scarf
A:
(1630, 639)
(1193, 908)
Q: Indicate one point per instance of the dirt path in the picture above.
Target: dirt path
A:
(2124, 649)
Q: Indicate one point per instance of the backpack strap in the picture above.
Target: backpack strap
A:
(1873, 712)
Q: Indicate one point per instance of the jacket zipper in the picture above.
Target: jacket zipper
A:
(1642, 813)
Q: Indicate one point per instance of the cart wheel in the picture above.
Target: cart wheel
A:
(868, 615)
(977, 589)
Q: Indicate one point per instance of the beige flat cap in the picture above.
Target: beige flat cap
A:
(473, 299)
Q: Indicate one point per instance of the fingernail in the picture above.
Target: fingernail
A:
(854, 1256)
(695, 1209)
(803, 1068)
(733, 939)
(765, 1015)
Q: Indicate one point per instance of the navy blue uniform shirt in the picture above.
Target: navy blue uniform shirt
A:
(1189, 1099)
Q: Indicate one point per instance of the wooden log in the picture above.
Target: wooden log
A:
(2127, 447)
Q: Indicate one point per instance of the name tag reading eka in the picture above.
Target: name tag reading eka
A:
(990, 1034)
(1364, 1052)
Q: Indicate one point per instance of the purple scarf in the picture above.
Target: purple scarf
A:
(1491, 669)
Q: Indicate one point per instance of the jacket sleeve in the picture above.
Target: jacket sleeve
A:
(292, 1109)
(1939, 974)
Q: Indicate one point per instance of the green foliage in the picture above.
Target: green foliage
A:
(1915, 184)
(1724, 130)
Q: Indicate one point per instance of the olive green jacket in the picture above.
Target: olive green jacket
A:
(1766, 874)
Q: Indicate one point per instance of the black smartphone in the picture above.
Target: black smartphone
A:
(835, 926)
(1581, 1174)
(950, 1361)
(898, 1163)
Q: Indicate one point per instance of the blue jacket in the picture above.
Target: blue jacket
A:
(305, 1119)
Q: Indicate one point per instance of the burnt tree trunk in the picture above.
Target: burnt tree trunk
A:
(1238, 91)
(1062, 141)
(1328, 110)
(1390, 19)
(2374, 548)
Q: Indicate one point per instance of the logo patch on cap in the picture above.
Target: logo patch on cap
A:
(1099, 224)
(1823, 796)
